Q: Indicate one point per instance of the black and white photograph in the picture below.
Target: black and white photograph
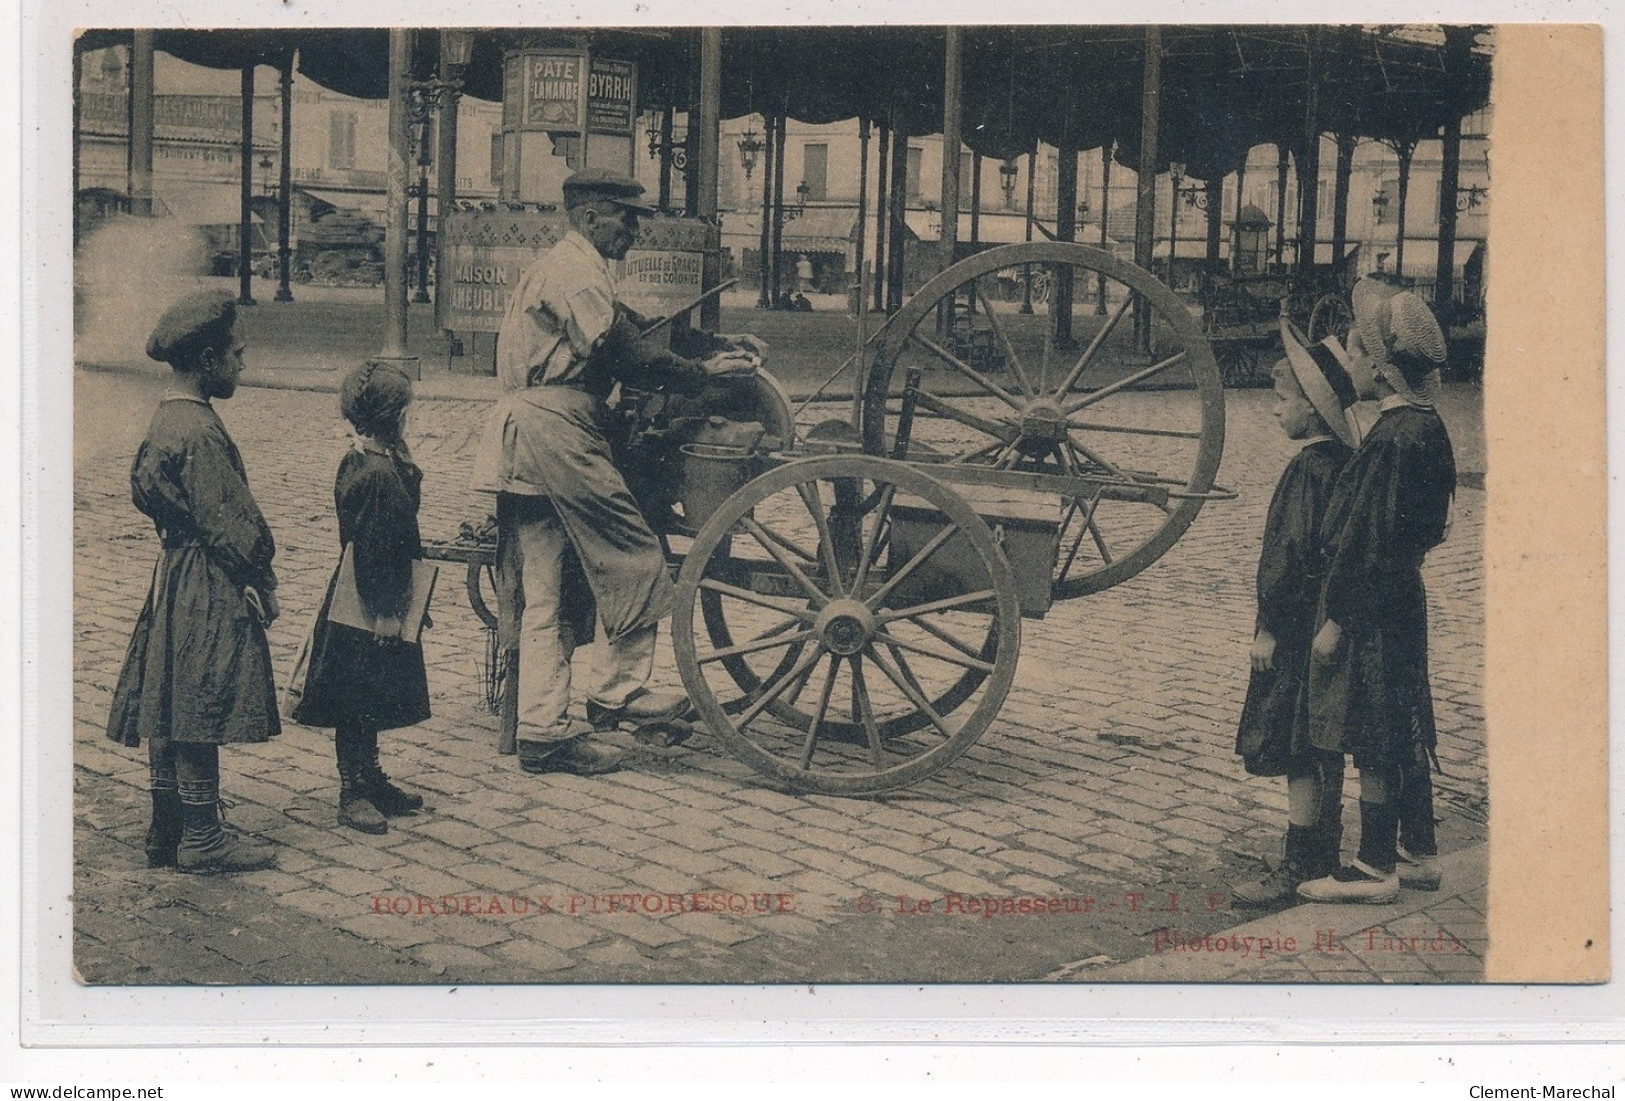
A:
(783, 505)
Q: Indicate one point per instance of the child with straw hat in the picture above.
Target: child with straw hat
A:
(1369, 695)
(1314, 388)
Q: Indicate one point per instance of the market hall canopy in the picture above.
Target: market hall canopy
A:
(1224, 88)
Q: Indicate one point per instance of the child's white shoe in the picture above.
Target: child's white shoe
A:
(1356, 882)
(1420, 873)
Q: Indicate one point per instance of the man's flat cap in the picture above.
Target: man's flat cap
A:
(190, 325)
(604, 185)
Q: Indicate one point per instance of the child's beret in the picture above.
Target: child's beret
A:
(189, 324)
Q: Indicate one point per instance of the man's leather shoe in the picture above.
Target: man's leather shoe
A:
(644, 708)
(232, 854)
(577, 756)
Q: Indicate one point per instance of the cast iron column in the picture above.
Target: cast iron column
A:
(284, 228)
(882, 212)
(1027, 234)
(395, 348)
(1145, 212)
(710, 127)
(1105, 208)
(141, 94)
(245, 224)
(764, 299)
(445, 168)
(1340, 201)
(1066, 229)
(778, 206)
(951, 86)
(1444, 272)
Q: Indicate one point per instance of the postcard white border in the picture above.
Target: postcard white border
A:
(52, 1010)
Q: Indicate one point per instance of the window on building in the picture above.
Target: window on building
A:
(815, 171)
(341, 139)
(496, 160)
(911, 181)
(1273, 199)
(1045, 184)
(1476, 126)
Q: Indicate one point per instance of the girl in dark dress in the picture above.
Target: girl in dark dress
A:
(198, 671)
(1369, 694)
(362, 682)
(1313, 388)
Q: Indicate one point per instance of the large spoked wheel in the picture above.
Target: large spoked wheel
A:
(1331, 316)
(1111, 380)
(871, 625)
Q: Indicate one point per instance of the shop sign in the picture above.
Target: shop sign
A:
(611, 96)
(552, 92)
(482, 276)
(657, 281)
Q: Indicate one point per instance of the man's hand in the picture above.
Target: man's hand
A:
(1263, 653)
(263, 604)
(386, 628)
(732, 365)
(746, 342)
(1327, 640)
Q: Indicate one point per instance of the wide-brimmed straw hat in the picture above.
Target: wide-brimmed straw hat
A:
(1395, 324)
(1329, 378)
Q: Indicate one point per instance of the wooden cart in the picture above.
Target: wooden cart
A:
(848, 614)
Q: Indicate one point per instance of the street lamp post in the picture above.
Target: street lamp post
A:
(1176, 170)
(421, 107)
(670, 151)
(423, 98)
(1193, 196)
(424, 158)
(1007, 180)
(284, 210)
(750, 147)
(662, 144)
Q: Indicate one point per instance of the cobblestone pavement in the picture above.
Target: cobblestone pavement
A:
(1107, 782)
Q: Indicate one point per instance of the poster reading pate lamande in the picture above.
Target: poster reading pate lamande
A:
(906, 504)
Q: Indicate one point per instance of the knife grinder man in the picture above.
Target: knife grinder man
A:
(567, 525)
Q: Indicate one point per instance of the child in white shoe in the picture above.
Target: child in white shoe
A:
(1369, 694)
(1314, 389)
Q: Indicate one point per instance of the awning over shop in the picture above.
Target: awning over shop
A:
(1003, 229)
(818, 229)
(201, 204)
(370, 203)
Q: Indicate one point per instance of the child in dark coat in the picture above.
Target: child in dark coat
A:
(198, 672)
(362, 682)
(1314, 388)
(1369, 693)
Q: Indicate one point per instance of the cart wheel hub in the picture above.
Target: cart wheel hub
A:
(845, 626)
(1043, 427)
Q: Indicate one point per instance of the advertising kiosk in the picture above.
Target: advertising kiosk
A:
(564, 108)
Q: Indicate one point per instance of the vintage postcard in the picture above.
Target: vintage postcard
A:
(1050, 504)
